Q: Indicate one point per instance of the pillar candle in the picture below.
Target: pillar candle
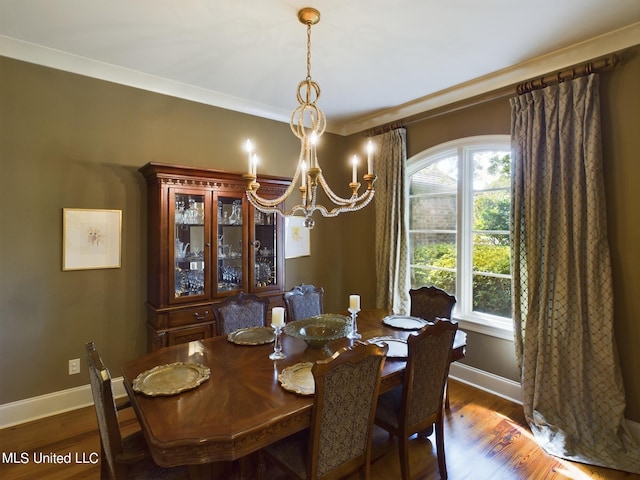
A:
(354, 302)
(370, 158)
(249, 149)
(254, 163)
(277, 316)
(354, 162)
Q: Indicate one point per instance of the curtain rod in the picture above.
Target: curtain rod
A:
(595, 66)
(372, 132)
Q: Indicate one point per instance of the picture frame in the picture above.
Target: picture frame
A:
(297, 242)
(91, 238)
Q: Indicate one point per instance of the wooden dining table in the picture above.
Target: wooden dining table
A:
(242, 407)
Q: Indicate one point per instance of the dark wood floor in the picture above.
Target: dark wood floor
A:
(485, 438)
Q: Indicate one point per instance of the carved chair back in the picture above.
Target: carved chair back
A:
(431, 303)
(240, 311)
(347, 387)
(303, 301)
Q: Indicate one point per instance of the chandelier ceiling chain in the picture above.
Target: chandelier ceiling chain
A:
(308, 123)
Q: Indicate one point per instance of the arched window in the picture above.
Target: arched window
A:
(459, 211)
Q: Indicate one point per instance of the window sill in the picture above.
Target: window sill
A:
(486, 327)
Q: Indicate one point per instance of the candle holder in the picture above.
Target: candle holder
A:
(277, 345)
(353, 334)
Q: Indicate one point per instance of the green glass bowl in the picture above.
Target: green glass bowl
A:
(319, 330)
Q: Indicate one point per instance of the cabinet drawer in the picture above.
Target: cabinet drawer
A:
(190, 316)
(185, 335)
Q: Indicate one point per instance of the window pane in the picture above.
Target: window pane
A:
(433, 249)
(492, 295)
(491, 169)
(491, 210)
(433, 224)
(433, 212)
(433, 260)
(491, 254)
(438, 177)
(424, 276)
(491, 268)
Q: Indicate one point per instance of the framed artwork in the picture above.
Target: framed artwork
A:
(296, 239)
(91, 239)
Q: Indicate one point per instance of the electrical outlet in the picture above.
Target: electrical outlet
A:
(74, 366)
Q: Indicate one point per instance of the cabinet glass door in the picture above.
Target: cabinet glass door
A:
(231, 260)
(265, 250)
(190, 240)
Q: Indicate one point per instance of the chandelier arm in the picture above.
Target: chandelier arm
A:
(309, 210)
(265, 202)
(346, 208)
(339, 200)
(289, 213)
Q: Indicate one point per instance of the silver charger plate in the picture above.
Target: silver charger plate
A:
(405, 322)
(397, 347)
(252, 336)
(171, 379)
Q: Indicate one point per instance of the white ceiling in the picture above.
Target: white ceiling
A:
(375, 60)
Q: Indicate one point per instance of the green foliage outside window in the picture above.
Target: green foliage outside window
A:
(490, 294)
(440, 255)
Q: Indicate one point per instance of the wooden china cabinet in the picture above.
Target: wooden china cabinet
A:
(206, 242)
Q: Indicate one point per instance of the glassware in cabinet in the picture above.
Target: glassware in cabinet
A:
(189, 241)
(265, 250)
(230, 239)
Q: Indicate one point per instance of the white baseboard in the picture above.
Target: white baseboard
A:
(59, 402)
(500, 386)
(54, 403)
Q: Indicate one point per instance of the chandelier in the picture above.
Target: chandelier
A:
(308, 123)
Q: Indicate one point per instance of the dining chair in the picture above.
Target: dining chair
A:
(122, 457)
(303, 301)
(431, 303)
(419, 402)
(240, 311)
(338, 441)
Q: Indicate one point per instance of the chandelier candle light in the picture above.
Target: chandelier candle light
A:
(308, 123)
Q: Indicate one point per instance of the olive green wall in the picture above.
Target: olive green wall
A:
(620, 107)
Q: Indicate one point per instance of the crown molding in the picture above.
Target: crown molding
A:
(611, 42)
(49, 57)
(614, 41)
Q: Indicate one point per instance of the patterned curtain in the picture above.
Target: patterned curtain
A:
(563, 310)
(392, 289)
